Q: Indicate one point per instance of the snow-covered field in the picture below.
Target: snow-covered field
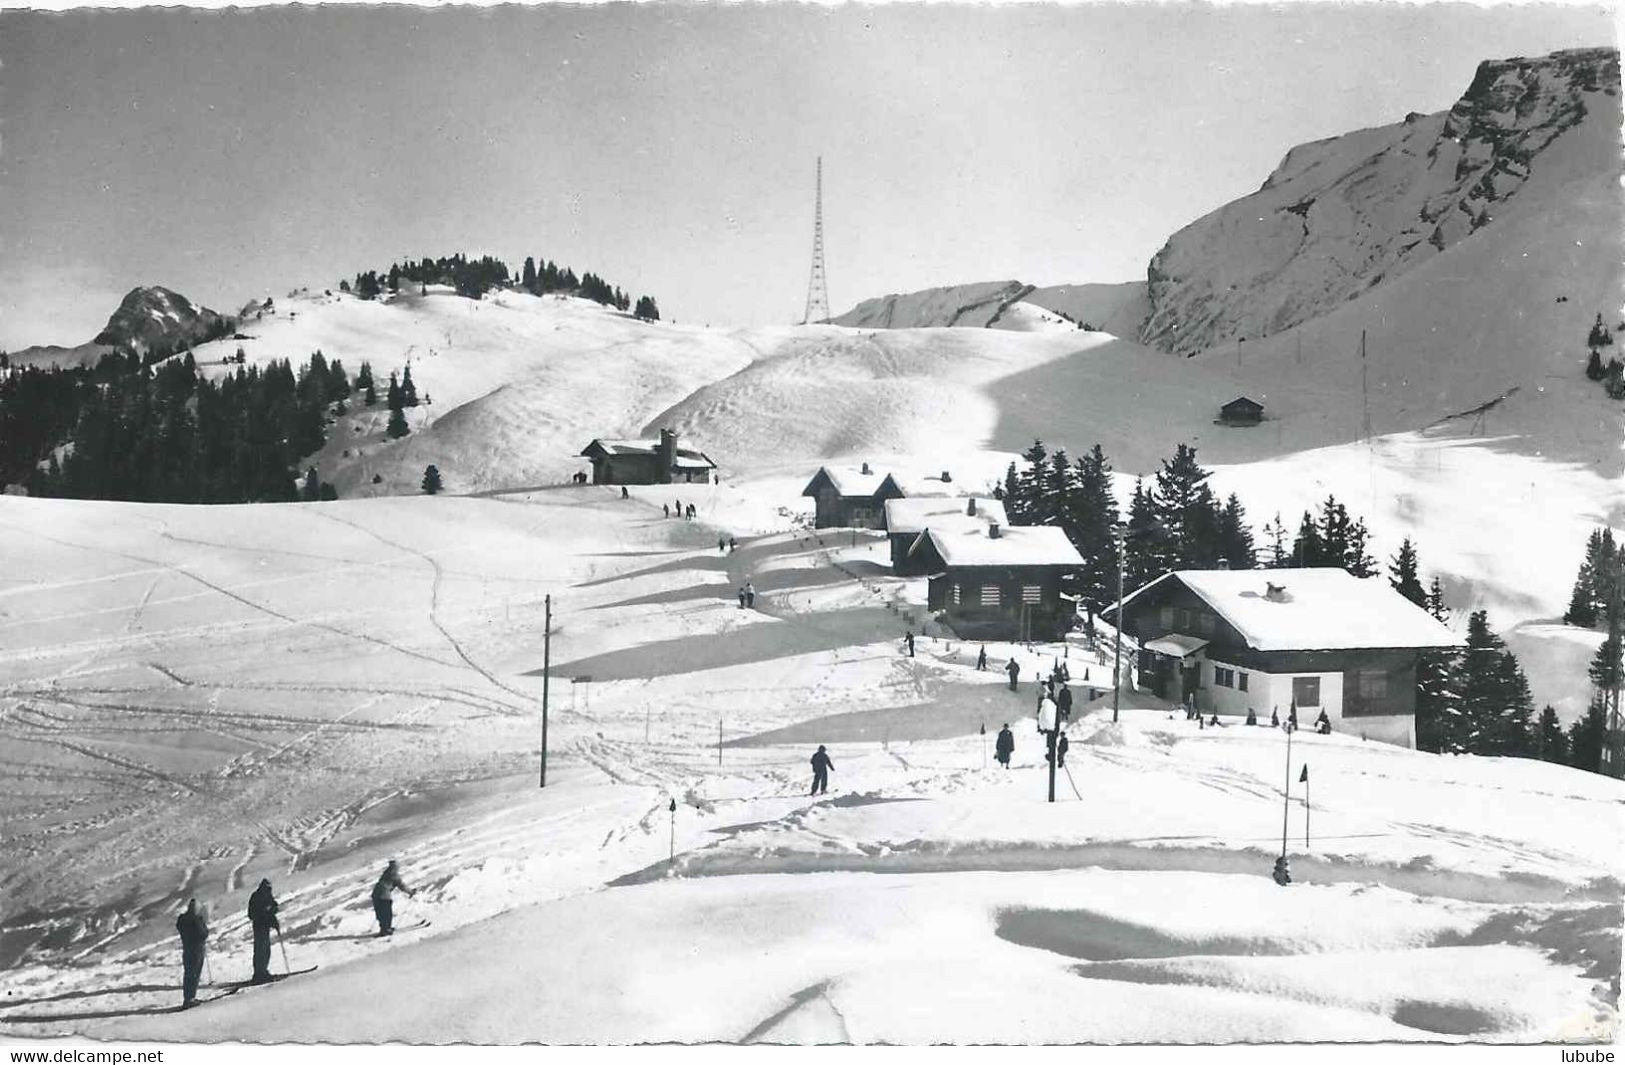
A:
(198, 697)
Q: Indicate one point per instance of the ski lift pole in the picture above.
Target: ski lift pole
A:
(671, 856)
(1286, 803)
(1305, 779)
(547, 658)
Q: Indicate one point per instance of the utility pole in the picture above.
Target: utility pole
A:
(1117, 629)
(1613, 743)
(547, 662)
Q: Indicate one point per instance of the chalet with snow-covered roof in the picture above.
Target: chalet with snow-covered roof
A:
(1241, 411)
(845, 497)
(990, 581)
(658, 461)
(1269, 640)
(907, 518)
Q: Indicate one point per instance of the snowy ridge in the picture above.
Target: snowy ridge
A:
(1343, 215)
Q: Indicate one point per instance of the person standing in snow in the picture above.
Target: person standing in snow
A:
(741, 597)
(193, 926)
(678, 507)
(262, 907)
(1013, 668)
(821, 766)
(908, 642)
(1252, 718)
(691, 512)
(722, 544)
(665, 510)
(1004, 746)
(733, 545)
(1060, 760)
(1323, 724)
(383, 897)
(624, 493)
(981, 659)
(1063, 699)
(1292, 718)
(750, 596)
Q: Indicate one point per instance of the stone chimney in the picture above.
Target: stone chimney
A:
(947, 478)
(970, 507)
(666, 456)
(993, 530)
(865, 471)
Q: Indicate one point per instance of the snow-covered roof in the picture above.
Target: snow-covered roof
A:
(1319, 609)
(853, 481)
(686, 458)
(1019, 545)
(1175, 645)
(915, 515)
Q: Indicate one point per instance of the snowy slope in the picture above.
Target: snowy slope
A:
(1116, 309)
(970, 306)
(198, 697)
(1343, 215)
(516, 384)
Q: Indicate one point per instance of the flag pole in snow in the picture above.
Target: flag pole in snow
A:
(719, 741)
(672, 853)
(1286, 803)
(547, 659)
(1304, 780)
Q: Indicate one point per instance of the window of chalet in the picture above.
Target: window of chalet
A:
(954, 588)
(1224, 678)
(992, 595)
(1205, 623)
(1306, 691)
(1241, 681)
(1373, 684)
(862, 517)
(1031, 593)
(1166, 617)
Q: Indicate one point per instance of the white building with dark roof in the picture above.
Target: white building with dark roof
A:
(1274, 640)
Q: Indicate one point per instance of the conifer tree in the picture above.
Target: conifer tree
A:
(646, 308)
(397, 427)
(394, 393)
(1186, 509)
(409, 391)
(1403, 577)
(1587, 736)
(1481, 682)
(1594, 368)
(1146, 547)
(1235, 536)
(527, 280)
(1275, 534)
(1438, 706)
(1089, 519)
(313, 486)
(1551, 742)
(1027, 505)
(1308, 550)
(431, 476)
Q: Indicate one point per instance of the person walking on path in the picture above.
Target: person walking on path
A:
(1013, 668)
(624, 493)
(1060, 757)
(733, 545)
(262, 907)
(665, 509)
(821, 766)
(741, 597)
(691, 512)
(750, 596)
(722, 544)
(908, 642)
(1004, 746)
(1063, 699)
(193, 926)
(383, 897)
(981, 659)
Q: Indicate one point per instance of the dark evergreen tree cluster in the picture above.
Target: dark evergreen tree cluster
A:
(1596, 584)
(1610, 373)
(168, 434)
(1330, 538)
(646, 309)
(475, 277)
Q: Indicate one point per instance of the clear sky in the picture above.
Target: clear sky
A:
(670, 148)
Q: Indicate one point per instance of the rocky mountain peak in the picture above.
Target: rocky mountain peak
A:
(155, 320)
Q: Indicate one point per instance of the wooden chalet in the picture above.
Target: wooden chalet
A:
(1241, 411)
(844, 497)
(1230, 641)
(993, 582)
(907, 518)
(658, 461)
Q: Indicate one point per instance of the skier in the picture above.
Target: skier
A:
(981, 659)
(193, 926)
(1060, 761)
(624, 493)
(908, 642)
(1252, 718)
(750, 596)
(1214, 721)
(691, 512)
(821, 766)
(262, 907)
(665, 510)
(1004, 746)
(741, 597)
(383, 897)
(733, 545)
(722, 544)
(677, 505)
(1063, 699)
(1013, 668)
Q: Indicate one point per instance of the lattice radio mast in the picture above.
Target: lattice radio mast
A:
(817, 290)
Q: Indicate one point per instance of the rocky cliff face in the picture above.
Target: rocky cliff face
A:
(1341, 216)
(154, 320)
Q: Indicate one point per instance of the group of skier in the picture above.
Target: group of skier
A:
(676, 506)
(193, 927)
(747, 596)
